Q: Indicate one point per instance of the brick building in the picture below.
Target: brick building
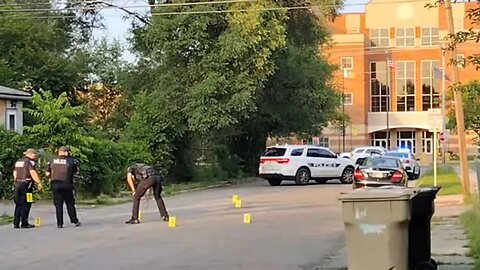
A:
(389, 53)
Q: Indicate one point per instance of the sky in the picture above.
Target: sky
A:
(117, 28)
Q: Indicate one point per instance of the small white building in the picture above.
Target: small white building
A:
(11, 105)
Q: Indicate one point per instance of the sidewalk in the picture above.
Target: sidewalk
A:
(449, 241)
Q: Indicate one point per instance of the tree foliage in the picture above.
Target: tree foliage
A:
(463, 36)
(471, 99)
(232, 79)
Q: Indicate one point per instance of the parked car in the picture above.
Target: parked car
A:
(408, 160)
(380, 171)
(302, 163)
(361, 152)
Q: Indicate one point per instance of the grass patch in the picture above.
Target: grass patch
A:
(169, 190)
(5, 219)
(471, 222)
(447, 178)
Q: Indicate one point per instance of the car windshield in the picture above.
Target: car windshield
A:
(396, 154)
(380, 162)
(274, 152)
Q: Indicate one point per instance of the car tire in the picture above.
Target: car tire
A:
(302, 177)
(274, 181)
(321, 181)
(347, 175)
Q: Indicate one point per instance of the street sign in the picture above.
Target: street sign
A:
(435, 119)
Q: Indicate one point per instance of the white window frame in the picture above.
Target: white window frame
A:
(432, 82)
(7, 121)
(427, 141)
(324, 142)
(433, 40)
(383, 142)
(405, 37)
(350, 94)
(413, 139)
(380, 38)
(380, 95)
(347, 59)
(405, 78)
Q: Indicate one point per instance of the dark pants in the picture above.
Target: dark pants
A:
(22, 207)
(154, 181)
(63, 193)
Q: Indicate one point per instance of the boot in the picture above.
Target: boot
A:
(132, 221)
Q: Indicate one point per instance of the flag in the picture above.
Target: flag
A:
(438, 74)
(391, 64)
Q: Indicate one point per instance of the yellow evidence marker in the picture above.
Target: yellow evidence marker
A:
(29, 197)
(140, 215)
(38, 222)
(238, 204)
(235, 198)
(172, 222)
(247, 218)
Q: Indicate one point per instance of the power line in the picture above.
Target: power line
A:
(207, 3)
(99, 3)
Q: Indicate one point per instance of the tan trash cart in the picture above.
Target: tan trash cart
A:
(376, 227)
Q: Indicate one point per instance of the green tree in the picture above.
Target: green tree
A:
(228, 80)
(57, 123)
(40, 50)
(464, 36)
(299, 98)
(471, 99)
(102, 161)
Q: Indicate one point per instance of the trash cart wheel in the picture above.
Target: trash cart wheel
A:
(434, 263)
(425, 266)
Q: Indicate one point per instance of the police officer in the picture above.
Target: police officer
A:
(61, 170)
(148, 178)
(24, 176)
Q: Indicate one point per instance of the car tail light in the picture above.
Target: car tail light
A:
(358, 175)
(282, 160)
(278, 160)
(397, 176)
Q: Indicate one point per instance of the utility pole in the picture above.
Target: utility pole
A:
(344, 75)
(444, 94)
(458, 108)
(387, 77)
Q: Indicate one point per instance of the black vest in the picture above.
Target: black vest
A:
(62, 169)
(23, 167)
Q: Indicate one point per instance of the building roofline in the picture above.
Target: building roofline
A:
(10, 93)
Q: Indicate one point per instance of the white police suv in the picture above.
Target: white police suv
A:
(302, 163)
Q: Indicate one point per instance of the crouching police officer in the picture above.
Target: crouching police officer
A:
(61, 170)
(24, 176)
(148, 178)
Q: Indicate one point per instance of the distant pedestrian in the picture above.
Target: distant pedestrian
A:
(24, 176)
(62, 170)
(148, 178)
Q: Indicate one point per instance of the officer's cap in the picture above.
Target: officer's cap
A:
(63, 149)
(30, 151)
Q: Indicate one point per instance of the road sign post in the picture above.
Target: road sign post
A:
(435, 118)
(434, 156)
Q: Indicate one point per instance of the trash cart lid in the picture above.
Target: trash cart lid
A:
(387, 193)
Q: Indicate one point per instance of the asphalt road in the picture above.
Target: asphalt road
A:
(293, 227)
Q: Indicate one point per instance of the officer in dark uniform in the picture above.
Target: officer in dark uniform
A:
(61, 170)
(148, 178)
(24, 176)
